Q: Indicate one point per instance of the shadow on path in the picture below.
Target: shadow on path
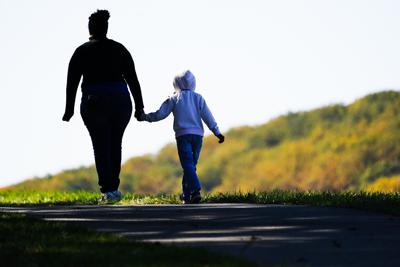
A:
(268, 234)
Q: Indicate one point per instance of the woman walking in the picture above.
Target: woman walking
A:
(107, 68)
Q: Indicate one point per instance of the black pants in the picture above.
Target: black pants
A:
(106, 117)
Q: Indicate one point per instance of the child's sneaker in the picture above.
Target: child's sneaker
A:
(183, 199)
(195, 198)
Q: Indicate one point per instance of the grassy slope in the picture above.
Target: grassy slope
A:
(332, 148)
(29, 242)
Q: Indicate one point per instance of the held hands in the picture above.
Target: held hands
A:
(139, 114)
(221, 138)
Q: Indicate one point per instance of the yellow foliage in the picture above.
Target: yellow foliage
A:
(385, 184)
(331, 148)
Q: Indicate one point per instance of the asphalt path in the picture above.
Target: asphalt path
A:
(290, 235)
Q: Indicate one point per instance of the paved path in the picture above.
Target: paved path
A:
(268, 234)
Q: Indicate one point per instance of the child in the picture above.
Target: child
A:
(189, 109)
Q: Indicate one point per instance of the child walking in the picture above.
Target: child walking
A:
(189, 109)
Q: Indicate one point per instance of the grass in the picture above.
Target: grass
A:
(26, 241)
(21, 198)
(30, 242)
(27, 198)
(378, 202)
(388, 203)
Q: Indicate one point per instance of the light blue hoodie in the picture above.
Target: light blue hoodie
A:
(189, 108)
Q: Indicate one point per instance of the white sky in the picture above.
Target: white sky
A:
(253, 60)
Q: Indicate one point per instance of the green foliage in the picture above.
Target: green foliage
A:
(30, 242)
(332, 148)
(69, 180)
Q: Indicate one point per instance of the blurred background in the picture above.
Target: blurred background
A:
(305, 90)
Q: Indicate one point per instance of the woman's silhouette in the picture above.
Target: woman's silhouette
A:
(107, 67)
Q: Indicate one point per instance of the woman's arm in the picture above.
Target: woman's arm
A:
(73, 78)
(131, 79)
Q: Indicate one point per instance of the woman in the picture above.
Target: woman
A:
(107, 67)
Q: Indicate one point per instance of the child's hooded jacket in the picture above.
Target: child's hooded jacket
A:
(189, 109)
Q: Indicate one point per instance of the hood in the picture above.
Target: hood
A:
(185, 81)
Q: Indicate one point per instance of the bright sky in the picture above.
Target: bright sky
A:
(253, 59)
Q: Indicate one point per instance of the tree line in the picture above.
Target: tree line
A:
(337, 147)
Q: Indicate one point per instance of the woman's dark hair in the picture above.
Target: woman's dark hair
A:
(98, 23)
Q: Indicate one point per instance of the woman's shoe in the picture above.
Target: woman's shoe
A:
(110, 197)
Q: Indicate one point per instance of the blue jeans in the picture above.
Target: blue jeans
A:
(189, 146)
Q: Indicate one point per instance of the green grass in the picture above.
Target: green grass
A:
(29, 242)
(26, 241)
(378, 202)
(28, 198)
(388, 203)
(20, 198)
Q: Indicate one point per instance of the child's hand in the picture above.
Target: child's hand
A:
(221, 138)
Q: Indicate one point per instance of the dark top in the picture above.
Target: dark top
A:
(102, 61)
